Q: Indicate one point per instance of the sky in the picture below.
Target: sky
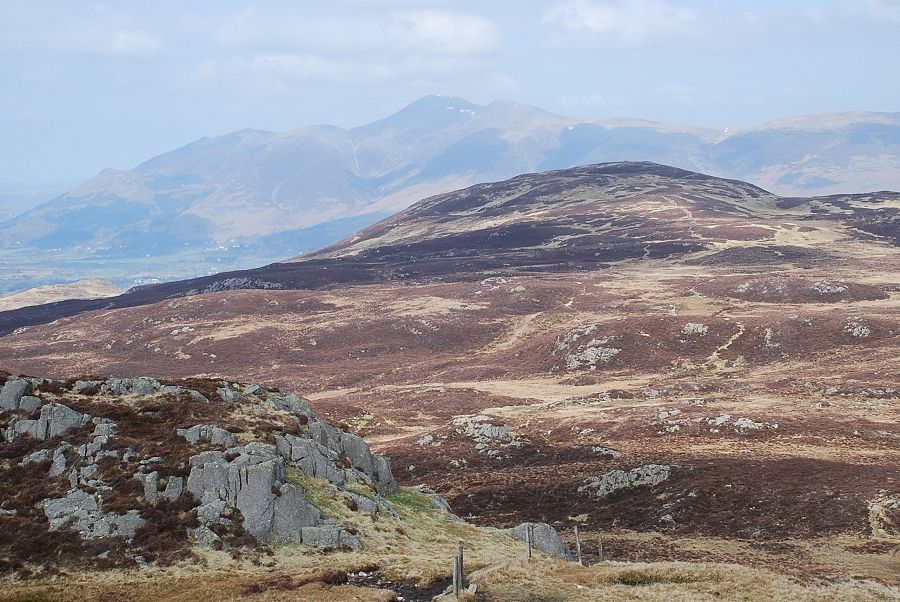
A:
(88, 85)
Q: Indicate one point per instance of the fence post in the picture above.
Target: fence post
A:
(462, 571)
(528, 539)
(578, 546)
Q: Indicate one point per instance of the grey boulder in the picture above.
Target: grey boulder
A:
(55, 420)
(207, 432)
(30, 403)
(12, 392)
(545, 539)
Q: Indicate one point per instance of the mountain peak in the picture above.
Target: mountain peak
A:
(425, 114)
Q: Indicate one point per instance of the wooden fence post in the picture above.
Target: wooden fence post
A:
(528, 539)
(578, 546)
(462, 571)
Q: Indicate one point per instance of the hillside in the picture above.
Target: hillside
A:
(692, 367)
(587, 217)
(252, 197)
(83, 289)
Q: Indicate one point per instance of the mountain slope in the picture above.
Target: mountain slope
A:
(254, 196)
(576, 219)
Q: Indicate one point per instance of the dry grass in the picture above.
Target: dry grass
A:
(296, 575)
(665, 582)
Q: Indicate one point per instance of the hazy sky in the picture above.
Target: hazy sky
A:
(88, 85)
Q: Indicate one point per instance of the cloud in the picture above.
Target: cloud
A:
(620, 24)
(278, 71)
(684, 94)
(89, 30)
(884, 12)
(293, 29)
(278, 47)
(594, 100)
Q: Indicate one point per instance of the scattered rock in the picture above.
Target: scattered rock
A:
(856, 329)
(830, 287)
(695, 328)
(646, 475)
(141, 386)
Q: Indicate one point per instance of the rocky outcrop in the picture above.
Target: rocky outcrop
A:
(207, 432)
(646, 475)
(252, 479)
(545, 538)
(489, 437)
(141, 386)
(329, 453)
(55, 420)
(117, 475)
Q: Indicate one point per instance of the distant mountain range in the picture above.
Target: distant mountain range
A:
(254, 196)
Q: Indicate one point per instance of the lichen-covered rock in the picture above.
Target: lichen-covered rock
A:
(253, 481)
(544, 538)
(646, 475)
(174, 488)
(82, 511)
(329, 537)
(245, 482)
(30, 403)
(362, 503)
(60, 461)
(337, 456)
(12, 392)
(141, 386)
(314, 459)
(81, 386)
(207, 432)
(41, 455)
(290, 403)
(291, 514)
(204, 537)
(55, 420)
